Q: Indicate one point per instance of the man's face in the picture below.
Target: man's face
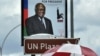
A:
(40, 11)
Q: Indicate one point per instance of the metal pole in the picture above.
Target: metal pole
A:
(66, 20)
(0, 51)
(71, 21)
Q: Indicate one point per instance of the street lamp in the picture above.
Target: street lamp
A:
(1, 48)
(0, 51)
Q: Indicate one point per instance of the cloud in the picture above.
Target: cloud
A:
(10, 8)
(13, 42)
(90, 37)
(87, 11)
(89, 7)
(6, 24)
(10, 16)
(87, 23)
(20, 54)
(16, 54)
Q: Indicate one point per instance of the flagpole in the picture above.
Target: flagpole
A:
(71, 21)
(66, 20)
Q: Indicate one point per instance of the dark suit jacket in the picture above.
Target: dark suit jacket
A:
(34, 26)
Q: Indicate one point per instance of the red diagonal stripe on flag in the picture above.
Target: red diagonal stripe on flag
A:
(61, 54)
(87, 51)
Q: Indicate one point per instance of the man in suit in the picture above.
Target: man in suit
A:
(38, 23)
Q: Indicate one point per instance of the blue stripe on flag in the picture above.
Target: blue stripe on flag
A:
(25, 4)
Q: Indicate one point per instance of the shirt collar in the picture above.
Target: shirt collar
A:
(40, 18)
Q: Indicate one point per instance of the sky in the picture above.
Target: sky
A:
(86, 25)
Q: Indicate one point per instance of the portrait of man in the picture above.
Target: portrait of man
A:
(38, 23)
(41, 16)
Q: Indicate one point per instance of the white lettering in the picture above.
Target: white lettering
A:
(49, 46)
(46, 46)
(35, 46)
(29, 46)
(32, 46)
(42, 45)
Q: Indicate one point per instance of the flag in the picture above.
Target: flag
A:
(25, 14)
(70, 50)
(24, 17)
(25, 10)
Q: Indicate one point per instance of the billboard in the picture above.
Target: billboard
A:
(55, 11)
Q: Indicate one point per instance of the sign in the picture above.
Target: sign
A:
(33, 46)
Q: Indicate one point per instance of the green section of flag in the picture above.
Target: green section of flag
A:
(25, 33)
